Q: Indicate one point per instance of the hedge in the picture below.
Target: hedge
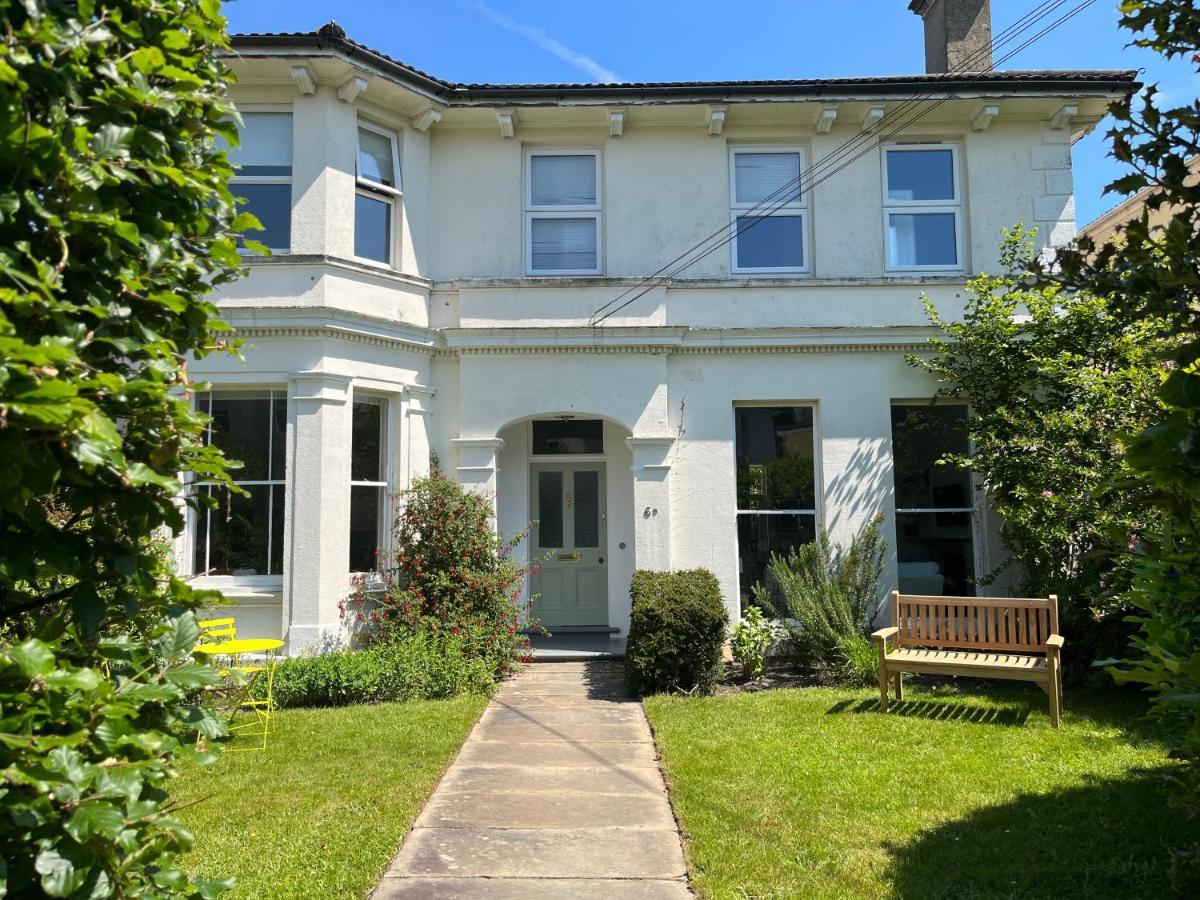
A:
(677, 627)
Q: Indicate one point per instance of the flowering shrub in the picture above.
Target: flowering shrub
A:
(751, 639)
(449, 574)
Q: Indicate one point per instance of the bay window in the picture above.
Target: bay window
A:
(562, 212)
(368, 482)
(776, 486)
(243, 535)
(262, 179)
(378, 192)
(922, 207)
(935, 510)
(768, 210)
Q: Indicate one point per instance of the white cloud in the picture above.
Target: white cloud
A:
(539, 38)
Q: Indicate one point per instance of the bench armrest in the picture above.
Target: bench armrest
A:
(883, 634)
(1055, 641)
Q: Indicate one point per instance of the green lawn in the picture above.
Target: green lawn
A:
(813, 793)
(321, 812)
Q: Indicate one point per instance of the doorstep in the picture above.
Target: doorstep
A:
(565, 646)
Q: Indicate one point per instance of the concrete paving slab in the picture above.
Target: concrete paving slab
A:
(557, 753)
(560, 809)
(631, 731)
(529, 889)
(518, 701)
(596, 781)
(612, 713)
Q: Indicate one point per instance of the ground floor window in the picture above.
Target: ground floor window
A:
(243, 535)
(935, 513)
(776, 486)
(368, 483)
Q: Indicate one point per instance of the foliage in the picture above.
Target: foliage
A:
(1154, 272)
(83, 747)
(115, 224)
(824, 592)
(676, 630)
(453, 575)
(750, 641)
(415, 667)
(1054, 379)
(857, 660)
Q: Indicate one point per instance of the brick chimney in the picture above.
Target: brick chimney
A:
(958, 34)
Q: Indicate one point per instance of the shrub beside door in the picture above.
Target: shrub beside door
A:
(676, 629)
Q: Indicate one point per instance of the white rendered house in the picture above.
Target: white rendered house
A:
(447, 265)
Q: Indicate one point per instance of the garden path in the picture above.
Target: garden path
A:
(556, 793)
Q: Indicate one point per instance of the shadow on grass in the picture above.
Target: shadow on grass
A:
(936, 709)
(1110, 838)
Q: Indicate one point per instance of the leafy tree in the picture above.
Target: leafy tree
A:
(1151, 272)
(1054, 380)
(115, 224)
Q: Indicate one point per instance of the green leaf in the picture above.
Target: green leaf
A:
(95, 818)
(147, 59)
(60, 877)
(33, 658)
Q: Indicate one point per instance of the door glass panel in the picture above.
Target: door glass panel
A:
(550, 511)
(587, 509)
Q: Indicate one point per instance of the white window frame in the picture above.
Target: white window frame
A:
(366, 187)
(902, 207)
(236, 179)
(383, 538)
(593, 211)
(274, 579)
(799, 206)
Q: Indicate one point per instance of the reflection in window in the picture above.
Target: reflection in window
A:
(368, 483)
(568, 436)
(935, 545)
(244, 534)
(776, 485)
(587, 508)
(550, 510)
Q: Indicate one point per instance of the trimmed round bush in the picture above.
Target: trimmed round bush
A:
(676, 629)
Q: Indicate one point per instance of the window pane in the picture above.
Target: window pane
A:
(774, 177)
(935, 553)
(366, 460)
(920, 174)
(375, 158)
(921, 435)
(278, 436)
(366, 513)
(373, 228)
(922, 239)
(587, 509)
(568, 436)
(568, 180)
(760, 536)
(775, 464)
(241, 427)
(277, 496)
(563, 244)
(770, 242)
(265, 146)
(239, 532)
(200, 544)
(550, 510)
(272, 204)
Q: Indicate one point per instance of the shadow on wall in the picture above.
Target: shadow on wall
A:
(1111, 838)
(859, 491)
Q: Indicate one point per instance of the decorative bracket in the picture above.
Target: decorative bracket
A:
(305, 78)
(716, 120)
(508, 122)
(1061, 118)
(431, 115)
(826, 118)
(351, 88)
(616, 122)
(983, 117)
(873, 117)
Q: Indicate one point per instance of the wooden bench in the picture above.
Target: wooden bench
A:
(980, 637)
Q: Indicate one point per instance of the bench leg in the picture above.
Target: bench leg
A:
(1054, 688)
(899, 686)
(883, 687)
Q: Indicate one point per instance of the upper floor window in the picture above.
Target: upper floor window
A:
(922, 206)
(768, 209)
(562, 212)
(262, 164)
(378, 173)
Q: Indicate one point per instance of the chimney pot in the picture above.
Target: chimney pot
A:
(958, 34)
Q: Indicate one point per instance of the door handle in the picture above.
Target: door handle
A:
(569, 557)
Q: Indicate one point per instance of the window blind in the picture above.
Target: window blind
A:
(375, 158)
(759, 175)
(266, 144)
(568, 180)
(563, 244)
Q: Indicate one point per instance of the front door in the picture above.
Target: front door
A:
(569, 539)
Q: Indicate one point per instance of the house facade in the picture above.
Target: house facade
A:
(483, 274)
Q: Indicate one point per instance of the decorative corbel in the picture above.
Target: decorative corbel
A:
(983, 116)
(716, 120)
(431, 115)
(349, 89)
(825, 119)
(1061, 117)
(873, 117)
(616, 122)
(305, 78)
(507, 118)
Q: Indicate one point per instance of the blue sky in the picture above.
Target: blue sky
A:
(685, 40)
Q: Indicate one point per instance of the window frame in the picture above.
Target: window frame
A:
(273, 579)
(798, 207)
(383, 535)
(374, 190)
(917, 207)
(531, 211)
(289, 180)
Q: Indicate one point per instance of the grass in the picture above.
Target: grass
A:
(322, 811)
(813, 793)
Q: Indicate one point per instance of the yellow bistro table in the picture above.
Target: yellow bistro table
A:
(242, 678)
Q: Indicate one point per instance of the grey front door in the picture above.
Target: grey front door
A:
(568, 505)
